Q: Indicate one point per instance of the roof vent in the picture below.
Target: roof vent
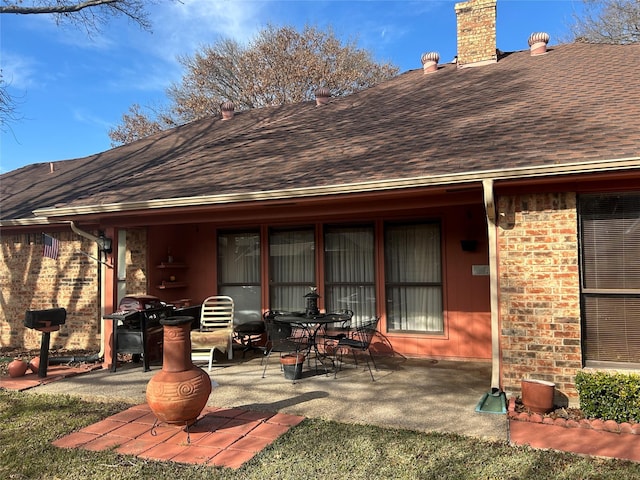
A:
(322, 96)
(227, 109)
(538, 43)
(430, 61)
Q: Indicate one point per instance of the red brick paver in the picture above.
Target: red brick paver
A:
(54, 372)
(231, 458)
(75, 440)
(226, 437)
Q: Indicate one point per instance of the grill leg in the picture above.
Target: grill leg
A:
(44, 354)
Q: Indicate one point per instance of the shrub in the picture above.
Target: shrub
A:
(609, 396)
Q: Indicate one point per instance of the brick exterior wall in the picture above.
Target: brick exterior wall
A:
(136, 259)
(476, 20)
(539, 290)
(30, 281)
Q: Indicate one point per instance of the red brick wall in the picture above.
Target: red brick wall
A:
(30, 281)
(539, 290)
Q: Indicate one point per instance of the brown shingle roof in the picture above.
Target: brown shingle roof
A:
(577, 103)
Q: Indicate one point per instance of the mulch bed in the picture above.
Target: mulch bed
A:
(568, 413)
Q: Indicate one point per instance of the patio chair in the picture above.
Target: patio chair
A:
(333, 332)
(216, 329)
(247, 333)
(359, 340)
(282, 338)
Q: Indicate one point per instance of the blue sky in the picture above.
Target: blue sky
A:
(71, 88)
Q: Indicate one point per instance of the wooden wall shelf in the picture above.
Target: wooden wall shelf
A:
(167, 265)
(166, 285)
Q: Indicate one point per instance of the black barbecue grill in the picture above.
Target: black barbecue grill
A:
(45, 321)
(137, 329)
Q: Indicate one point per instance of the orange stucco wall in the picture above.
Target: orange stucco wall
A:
(192, 244)
(466, 296)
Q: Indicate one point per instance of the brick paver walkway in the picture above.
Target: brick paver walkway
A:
(226, 437)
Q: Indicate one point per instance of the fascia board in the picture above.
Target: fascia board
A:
(521, 173)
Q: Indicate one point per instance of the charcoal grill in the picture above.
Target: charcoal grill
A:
(137, 329)
(45, 321)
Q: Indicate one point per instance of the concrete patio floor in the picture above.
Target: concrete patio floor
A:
(416, 394)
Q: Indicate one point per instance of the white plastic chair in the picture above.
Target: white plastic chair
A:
(216, 329)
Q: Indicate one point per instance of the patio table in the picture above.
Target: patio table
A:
(312, 324)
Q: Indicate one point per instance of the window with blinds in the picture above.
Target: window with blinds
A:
(610, 277)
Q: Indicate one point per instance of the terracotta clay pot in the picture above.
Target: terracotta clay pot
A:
(537, 395)
(34, 364)
(292, 365)
(17, 368)
(292, 359)
(179, 392)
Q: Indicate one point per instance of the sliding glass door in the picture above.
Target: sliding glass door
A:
(239, 273)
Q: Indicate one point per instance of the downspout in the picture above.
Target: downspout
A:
(490, 208)
(82, 233)
(103, 274)
(100, 243)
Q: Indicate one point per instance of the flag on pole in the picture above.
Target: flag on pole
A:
(51, 247)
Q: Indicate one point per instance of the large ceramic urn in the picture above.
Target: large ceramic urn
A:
(179, 392)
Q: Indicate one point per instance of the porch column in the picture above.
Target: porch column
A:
(490, 207)
(109, 279)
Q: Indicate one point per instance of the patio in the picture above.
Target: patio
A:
(416, 394)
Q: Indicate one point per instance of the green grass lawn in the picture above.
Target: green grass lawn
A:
(313, 449)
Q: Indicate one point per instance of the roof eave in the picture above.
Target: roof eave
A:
(522, 173)
(31, 221)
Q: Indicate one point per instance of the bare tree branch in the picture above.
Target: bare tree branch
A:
(88, 13)
(136, 125)
(13, 7)
(280, 66)
(8, 110)
(608, 21)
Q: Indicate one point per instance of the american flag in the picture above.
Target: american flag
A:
(51, 247)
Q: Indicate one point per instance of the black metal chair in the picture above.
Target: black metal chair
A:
(282, 338)
(359, 340)
(333, 332)
(249, 332)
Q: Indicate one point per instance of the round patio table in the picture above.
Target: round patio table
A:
(312, 324)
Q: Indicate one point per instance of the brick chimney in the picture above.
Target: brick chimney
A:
(476, 32)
